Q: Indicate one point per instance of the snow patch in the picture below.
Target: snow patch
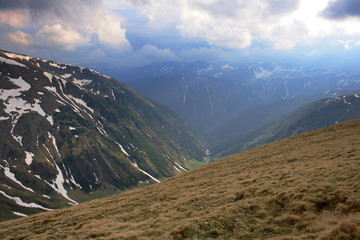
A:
(13, 178)
(51, 137)
(102, 75)
(182, 168)
(22, 57)
(49, 76)
(227, 67)
(11, 62)
(24, 204)
(80, 102)
(184, 99)
(58, 185)
(19, 214)
(262, 73)
(147, 174)
(28, 158)
(15, 106)
(287, 91)
(50, 119)
(82, 82)
(73, 181)
(57, 65)
(122, 149)
(66, 75)
(211, 67)
(176, 168)
(113, 95)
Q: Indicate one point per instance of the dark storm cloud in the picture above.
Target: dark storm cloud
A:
(71, 10)
(342, 9)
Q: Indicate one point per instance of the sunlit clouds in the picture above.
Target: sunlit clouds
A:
(129, 31)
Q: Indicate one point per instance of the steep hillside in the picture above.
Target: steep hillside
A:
(70, 134)
(210, 95)
(254, 118)
(303, 187)
(322, 113)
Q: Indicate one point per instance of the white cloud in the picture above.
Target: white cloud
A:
(226, 33)
(108, 29)
(15, 18)
(288, 35)
(64, 24)
(149, 51)
(160, 29)
(56, 36)
(233, 23)
(20, 38)
(349, 44)
(237, 23)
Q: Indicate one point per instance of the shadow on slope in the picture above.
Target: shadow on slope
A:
(321, 113)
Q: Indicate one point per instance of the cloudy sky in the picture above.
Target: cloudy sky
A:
(136, 32)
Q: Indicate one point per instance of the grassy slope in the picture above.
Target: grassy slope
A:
(303, 187)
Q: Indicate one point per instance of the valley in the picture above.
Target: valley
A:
(302, 187)
(210, 96)
(174, 120)
(72, 134)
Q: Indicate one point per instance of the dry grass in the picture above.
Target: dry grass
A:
(304, 187)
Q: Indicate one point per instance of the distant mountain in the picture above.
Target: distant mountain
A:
(254, 118)
(70, 134)
(303, 187)
(322, 113)
(211, 95)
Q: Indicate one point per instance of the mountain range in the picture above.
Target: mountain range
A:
(71, 134)
(211, 95)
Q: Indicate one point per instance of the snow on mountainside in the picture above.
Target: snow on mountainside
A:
(209, 95)
(70, 134)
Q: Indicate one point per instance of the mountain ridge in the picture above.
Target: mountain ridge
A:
(70, 134)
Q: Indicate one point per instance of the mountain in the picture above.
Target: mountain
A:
(255, 117)
(303, 187)
(321, 113)
(70, 134)
(211, 95)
